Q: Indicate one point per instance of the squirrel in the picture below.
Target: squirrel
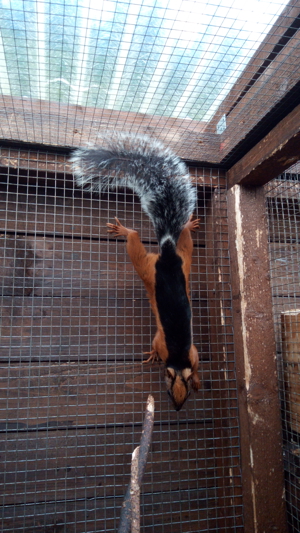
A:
(162, 182)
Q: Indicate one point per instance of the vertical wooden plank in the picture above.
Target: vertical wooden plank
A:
(260, 426)
(225, 414)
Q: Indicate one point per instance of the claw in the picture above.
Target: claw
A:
(154, 357)
(192, 225)
(118, 229)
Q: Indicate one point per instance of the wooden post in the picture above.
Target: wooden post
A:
(260, 424)
(222, 366)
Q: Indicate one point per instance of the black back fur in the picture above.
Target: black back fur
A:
(173, 306)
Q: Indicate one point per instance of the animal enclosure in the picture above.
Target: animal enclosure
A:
(219, 85)
(76, 321)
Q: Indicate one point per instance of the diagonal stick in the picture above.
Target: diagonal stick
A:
(125, 519)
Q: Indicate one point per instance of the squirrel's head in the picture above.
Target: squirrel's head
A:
(179, 384)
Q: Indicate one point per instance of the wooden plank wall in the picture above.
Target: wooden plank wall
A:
(73, 388)
(283, 203)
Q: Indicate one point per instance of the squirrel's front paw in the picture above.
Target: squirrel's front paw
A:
(118, 229)
(192, 225)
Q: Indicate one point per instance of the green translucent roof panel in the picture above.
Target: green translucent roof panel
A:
(167, 58)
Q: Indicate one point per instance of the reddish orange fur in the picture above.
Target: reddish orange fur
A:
(144, 264)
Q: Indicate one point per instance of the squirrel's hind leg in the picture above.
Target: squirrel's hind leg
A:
(156, 353)
(153, 357)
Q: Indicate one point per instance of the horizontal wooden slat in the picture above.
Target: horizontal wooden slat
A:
(17, 165)
(45, 266)
(21, 120)
(79, 217)
(280, 190)
(284, 303)
(162, 511)
(75, 328)
(96, 463)
(69, 395)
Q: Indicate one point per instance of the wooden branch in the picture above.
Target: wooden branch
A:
(126, 513)
(135, 492)
(270, 157)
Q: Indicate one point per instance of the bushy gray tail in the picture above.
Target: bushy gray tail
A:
(145, 166)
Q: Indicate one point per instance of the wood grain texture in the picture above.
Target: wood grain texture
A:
(75, 321)
(63, 465)
(79, 395)
(73, 328)
(284, 270)
(285, 19)
(24, 165)
(290, 330)
(284, 218)
(57, 266)
(78, 217)
(163, 511)
(276, 152)
(260, 424)
(38, 121)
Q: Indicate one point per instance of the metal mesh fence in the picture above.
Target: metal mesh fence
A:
(184, 70)
(283, 196)
(75, 322)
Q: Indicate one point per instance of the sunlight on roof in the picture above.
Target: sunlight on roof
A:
(177, 59)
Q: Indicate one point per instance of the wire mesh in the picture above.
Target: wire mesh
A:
(75, 323)
(187, 70)
(283, 196)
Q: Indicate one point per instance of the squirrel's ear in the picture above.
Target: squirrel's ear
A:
(170, 372)
(187, 373)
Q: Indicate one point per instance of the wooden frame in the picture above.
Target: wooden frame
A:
(270, 157)
(255, 351)
(265, 81)
(260, 425)
(43, 164)
(285, 20)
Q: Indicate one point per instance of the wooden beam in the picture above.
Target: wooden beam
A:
(257, 63)
(56, 166)
(50, 123)
(280, 76)
(270, 157)
(259, 407)
(270, 74)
